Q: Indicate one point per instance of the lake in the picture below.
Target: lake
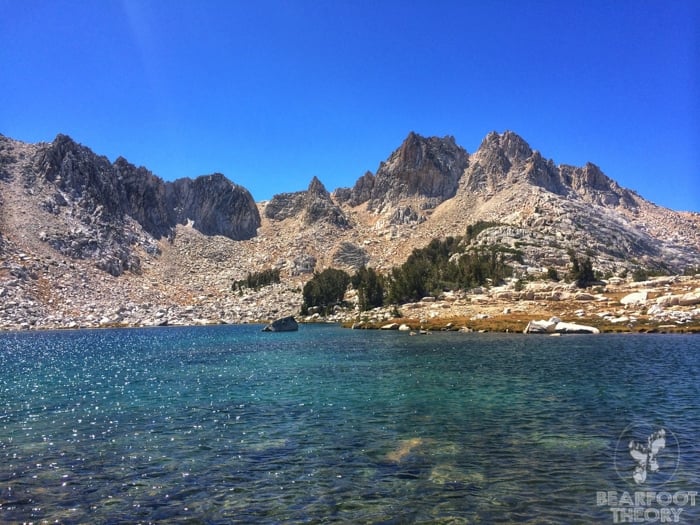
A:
(227, 424)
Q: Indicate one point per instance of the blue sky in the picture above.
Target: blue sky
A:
(272, 93)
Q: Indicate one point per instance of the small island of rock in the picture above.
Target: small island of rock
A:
(285, 324)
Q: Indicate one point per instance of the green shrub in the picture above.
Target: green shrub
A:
(444, 265)
(257, 280)
(325, 290)
(581, 271)
(370, 288)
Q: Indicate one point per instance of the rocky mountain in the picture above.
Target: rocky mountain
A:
(89, 208)
(89, 242)
(504, 160)
(426, 170)
(547, 210)
(311, 206)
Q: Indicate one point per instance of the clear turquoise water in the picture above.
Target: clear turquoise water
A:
(230, 425)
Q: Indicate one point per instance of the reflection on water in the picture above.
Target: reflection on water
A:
(226, 425)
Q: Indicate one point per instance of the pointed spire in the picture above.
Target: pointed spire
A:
(317, 187)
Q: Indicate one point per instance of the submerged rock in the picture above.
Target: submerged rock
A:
(285, 324)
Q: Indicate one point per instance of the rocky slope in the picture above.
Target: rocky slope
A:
(87, 242)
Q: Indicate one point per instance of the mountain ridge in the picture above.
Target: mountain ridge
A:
(80, 223)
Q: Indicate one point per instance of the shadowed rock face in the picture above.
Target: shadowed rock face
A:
(351, 256)
(420, 167)
(215, 205)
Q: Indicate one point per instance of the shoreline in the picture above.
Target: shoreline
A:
(498, 324)
(516, 326)
(662, 305)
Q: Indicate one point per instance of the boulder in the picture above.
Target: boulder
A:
(635, 298)
(689, 299)
(285, 324)
(540, 327)
(668, 300)
(555, 325)
(574, 328)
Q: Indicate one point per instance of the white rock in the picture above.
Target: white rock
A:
(689, 299)
(540, 327)
(668, 300)
(574, 328)
(655, 309)
(635, 298)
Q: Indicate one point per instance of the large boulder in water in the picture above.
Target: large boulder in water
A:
(285, 324)
(574, 328)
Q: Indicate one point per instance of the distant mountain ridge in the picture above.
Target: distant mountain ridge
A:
(117, 213)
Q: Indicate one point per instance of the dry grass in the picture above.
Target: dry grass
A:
(517, 321)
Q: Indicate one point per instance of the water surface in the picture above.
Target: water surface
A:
(230, 425)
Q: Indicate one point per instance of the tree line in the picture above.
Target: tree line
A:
(445, 264)
(452, 263)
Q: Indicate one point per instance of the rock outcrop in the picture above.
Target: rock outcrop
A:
(285, 324)
(313, 205)
(351, 256)
(428, 168)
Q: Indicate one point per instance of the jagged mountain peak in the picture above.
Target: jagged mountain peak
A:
(317, 187)
(504, 160)
(313, 205)
(511, 145)
(425, 168)
(417, 152)
(107, 212)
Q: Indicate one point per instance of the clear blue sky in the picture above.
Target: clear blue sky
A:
(271, 93)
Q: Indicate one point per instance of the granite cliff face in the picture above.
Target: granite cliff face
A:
(215, 205)
(426, 168)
